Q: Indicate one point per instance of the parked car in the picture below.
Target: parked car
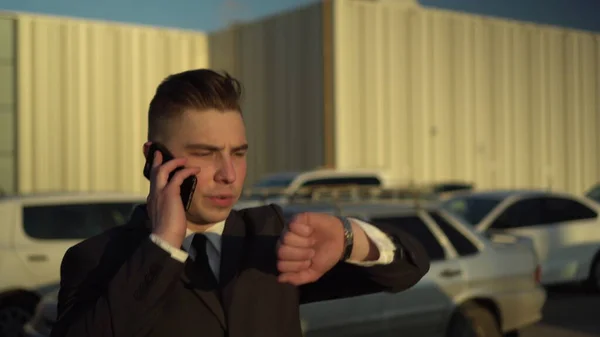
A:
(35, 233)
(284, 187)
(280, 187)
(444, 190)
(475, 287)
(564, 228)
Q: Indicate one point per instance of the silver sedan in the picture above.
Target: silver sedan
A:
(475, 287)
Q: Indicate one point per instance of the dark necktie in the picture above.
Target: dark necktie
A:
(200, 243)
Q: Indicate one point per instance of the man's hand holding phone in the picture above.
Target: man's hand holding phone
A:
(165, 206)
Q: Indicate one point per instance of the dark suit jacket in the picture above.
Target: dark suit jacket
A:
(120, 284)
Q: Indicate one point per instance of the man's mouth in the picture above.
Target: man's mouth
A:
(222, 200)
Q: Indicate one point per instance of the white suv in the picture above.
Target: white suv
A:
(35, 233)
(278, 188)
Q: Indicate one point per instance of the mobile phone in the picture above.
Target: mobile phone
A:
(189, 184)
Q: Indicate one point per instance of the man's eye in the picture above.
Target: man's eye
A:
(240, 154)
(203, 154)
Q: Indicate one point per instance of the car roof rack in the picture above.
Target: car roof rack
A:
(338, 194)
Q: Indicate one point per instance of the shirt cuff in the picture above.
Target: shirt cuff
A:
(176, 253)
(387, 248)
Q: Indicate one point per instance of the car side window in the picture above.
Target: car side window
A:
(523, 213)
(415, 226)
(73, 221)
(463, 245)
(562, 209)
(594, 193)
(341, 181)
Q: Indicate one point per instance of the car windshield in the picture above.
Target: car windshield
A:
(472, 209)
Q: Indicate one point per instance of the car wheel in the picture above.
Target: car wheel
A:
(15, 311)
(472, 320)
(593, 281)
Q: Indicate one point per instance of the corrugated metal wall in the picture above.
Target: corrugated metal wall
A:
(434, 95)
(83, 93)
(279, 61)
(8, 171)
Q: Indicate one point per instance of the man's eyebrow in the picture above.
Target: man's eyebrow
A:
(242, 147)
(201, 146)
(208, 147)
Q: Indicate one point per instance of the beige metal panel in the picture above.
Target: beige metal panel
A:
(279, 61)
(7, 105)
(433, 95)
(83, 92)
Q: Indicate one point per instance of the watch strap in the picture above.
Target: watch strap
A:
(348, 237)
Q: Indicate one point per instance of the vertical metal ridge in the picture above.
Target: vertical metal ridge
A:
(328, 83)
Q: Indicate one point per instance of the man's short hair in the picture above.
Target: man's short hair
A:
(198, 89)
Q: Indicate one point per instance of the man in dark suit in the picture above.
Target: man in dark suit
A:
(212, 271)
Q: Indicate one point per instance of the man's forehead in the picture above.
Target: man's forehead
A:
(215, 128)
(209, 116)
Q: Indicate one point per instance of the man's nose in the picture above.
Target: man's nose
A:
(226, 171)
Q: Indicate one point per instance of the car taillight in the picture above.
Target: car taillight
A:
(537, 274)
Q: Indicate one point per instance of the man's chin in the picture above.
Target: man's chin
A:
(207, 217)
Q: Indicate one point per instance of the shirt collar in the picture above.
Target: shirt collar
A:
(213, 234)
(216, 229)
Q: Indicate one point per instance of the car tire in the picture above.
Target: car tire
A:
(472, 320)
(593, 281)
(15, 311)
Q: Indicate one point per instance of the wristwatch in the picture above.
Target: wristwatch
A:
(348, 237)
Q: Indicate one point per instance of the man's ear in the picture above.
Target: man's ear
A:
(146, 149)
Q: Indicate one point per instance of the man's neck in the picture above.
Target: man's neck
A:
(197, 228)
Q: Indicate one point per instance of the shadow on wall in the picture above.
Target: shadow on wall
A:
(279, 60)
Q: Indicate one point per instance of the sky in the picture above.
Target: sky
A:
(210, 15)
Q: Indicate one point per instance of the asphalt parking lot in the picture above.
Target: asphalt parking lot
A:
(569, 312)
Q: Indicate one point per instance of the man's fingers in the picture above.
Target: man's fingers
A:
(292, 266)
(299, 278)
(181, 175)
(160, 174)
(289, 253)
(295, 240)
(300, 228)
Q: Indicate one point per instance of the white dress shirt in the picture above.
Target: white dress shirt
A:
(213, 247)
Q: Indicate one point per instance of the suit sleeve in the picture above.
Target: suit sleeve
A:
(410, 263)
(95, 301)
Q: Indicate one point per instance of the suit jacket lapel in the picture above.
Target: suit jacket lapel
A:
(193, 278)
(234, 242)
(205, 287)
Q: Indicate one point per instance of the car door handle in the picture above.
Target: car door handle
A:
(450, 272)
(37, 257)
